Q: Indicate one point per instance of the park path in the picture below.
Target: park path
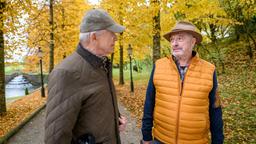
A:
(33, 131)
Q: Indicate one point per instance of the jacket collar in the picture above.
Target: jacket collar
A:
(95, 61)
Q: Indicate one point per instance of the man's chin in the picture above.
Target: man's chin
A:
(177, 54)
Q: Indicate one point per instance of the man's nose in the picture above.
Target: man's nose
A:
(174, 43)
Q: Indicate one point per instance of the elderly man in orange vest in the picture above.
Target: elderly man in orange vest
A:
(182, 103)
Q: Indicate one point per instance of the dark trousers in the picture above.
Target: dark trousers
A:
(155, 141)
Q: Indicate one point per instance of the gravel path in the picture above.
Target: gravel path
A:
(33, 132)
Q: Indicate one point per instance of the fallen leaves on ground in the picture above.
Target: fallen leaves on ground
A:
(238, 91)
(19, 110)
(134, 102)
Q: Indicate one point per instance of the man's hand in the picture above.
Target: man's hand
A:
(122, 123)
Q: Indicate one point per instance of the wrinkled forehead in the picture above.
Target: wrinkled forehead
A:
(181, 34)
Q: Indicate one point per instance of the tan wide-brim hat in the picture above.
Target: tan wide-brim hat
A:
(187, 27)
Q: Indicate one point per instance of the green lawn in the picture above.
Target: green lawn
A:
(9, 69)
(138, 77)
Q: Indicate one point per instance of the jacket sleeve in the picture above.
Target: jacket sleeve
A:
(62, 109)
(147, 120)
(215, 113)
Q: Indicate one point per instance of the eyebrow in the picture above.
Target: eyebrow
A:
(178, 35)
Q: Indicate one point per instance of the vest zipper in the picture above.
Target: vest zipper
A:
(178, 117)
(181, 86)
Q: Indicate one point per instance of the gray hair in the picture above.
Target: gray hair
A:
(86, 36)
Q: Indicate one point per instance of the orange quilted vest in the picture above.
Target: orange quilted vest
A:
(181, 113)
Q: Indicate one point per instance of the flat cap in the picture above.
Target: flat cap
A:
(99, 19)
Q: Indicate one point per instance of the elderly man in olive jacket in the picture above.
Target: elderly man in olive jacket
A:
(81, 99)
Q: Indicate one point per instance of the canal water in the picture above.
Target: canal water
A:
(16, 87)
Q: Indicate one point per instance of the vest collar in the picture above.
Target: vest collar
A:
(194, 60)
(194, 54)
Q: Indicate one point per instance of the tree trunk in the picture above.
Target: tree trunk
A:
(2, 73)
(214, 41)
(213, 31)
(254, 42)
(121, 61)
(156, 30)
(51, 65)
(220, 58)
(237, 33)
(249, 50)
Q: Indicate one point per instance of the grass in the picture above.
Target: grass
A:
(9, 69)
(138, 77)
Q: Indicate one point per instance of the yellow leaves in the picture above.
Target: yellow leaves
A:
(133, 101)
(19, 110)
(31, 64)
(154, 7)
(136, 17)
(67, 18)
(199, 8)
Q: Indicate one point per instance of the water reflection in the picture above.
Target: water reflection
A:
(16, 87)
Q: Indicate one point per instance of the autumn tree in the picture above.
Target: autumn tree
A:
(121, 44)
(155, 4)
(210, 18)
(136, 17)
(119, 16)
(11, 33)
(67, 17)
(2, 73)
(244, 12)
(51, 22)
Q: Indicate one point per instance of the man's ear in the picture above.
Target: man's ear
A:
(194, 41)
(93, 37)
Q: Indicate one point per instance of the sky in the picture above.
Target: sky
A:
(94, 1)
